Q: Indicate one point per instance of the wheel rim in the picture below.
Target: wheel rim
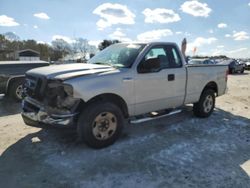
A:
(208, 104)
(104, 126)
(19, 91)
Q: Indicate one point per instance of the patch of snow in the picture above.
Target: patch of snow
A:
(221, 147)
(119, 179)
(240, 123)
(182, 154)
(35, 140)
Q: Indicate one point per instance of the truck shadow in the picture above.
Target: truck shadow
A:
(9, 107)
(178, 147)
(239, 74)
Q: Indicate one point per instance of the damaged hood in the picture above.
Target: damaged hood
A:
(64, 72)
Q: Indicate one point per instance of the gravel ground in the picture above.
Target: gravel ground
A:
(177, 151)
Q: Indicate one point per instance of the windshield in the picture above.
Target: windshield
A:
(118, 55)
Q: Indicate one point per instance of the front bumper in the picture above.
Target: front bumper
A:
(36, 114)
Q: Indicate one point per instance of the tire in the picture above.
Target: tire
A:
(242, 71)
(15, 90)
(205, 106)
(100, 124)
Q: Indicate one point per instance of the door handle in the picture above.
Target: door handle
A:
(171, 77)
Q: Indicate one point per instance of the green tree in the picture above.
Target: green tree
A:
(3, 48)
(105, 43)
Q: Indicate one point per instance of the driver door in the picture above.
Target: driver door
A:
(150, 87)
(163, 88)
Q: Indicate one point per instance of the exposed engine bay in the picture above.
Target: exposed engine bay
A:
(49, 101)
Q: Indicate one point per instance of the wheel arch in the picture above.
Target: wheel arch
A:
(11, 80)
(211, 85)
(111, 97)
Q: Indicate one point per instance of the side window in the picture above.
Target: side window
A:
(206, 62)
(174, 57)
(158, 54)
(155, 52)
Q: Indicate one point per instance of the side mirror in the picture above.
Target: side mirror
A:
(150, 65)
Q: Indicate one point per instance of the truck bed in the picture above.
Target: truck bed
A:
(197, 76)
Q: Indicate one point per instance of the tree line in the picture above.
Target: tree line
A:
(58, 49)
(8, 46)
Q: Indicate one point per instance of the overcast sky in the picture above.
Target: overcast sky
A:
(213, 27)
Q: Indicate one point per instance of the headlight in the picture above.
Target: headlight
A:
(60, 88)
(68, 89)
(60, 95)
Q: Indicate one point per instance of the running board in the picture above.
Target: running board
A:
(154, 118)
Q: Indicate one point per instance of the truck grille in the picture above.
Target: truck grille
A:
(30, 82)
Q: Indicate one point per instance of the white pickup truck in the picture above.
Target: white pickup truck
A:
(124, 81)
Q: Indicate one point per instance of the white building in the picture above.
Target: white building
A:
(28, 55)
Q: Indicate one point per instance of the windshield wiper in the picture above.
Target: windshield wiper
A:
(102, 63)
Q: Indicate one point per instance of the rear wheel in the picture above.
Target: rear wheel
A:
(242, 71)
(205, 106)
(16, 90)
(100, 124)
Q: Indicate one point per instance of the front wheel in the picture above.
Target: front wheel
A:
(100, 124)
(205, 106)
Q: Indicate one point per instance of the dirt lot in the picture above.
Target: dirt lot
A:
(177, 151)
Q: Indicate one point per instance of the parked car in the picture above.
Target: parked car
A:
(235, 67)
(202, 62)
(12, 76)
(247, 65)
(123, 81)
(242, 63)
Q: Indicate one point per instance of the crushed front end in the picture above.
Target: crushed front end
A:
(49, 102)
